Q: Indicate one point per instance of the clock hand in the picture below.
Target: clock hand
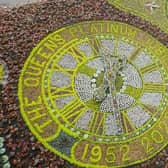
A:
(109, 75)
(111, 71)
(101, 92)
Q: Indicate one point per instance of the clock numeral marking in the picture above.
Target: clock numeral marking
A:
(149, 109)
(128, 125)
(149, 68)
(135, 54)
(73, 111)
(58, 68)
(116, 43)
(55, 92)
(97, 123)
(164, 61)
(95, 45)
(78, 54)
(151, 87)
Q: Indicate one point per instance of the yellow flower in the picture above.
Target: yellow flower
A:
(1, 72)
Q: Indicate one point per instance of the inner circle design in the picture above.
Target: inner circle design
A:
(95, 86)
(95, 93)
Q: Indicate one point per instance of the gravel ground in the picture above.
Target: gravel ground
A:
(21, 29)
(13, 3)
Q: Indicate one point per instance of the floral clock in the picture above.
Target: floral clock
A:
(95, 93)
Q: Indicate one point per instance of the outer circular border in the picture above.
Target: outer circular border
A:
(29, 123)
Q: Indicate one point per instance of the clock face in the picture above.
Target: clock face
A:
(95, 93)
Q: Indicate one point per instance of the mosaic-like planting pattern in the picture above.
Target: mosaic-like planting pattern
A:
(68, 105)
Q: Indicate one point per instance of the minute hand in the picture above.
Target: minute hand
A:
(110, 78)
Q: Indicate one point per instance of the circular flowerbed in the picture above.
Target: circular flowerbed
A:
(95, 93)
